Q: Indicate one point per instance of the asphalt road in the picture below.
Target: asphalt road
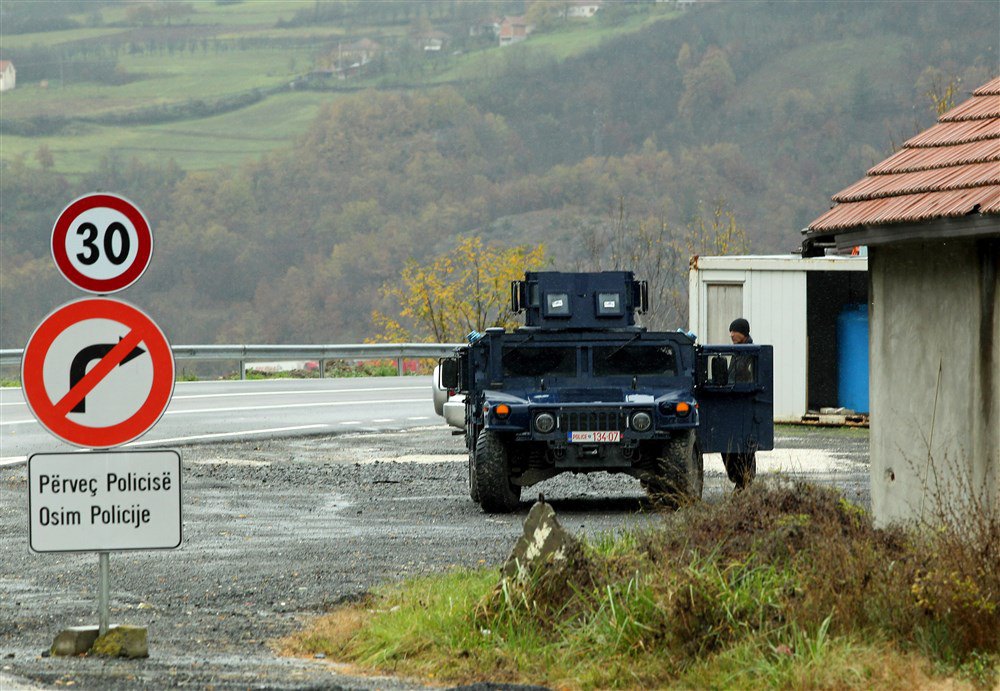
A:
(230, 410)
(279, 527)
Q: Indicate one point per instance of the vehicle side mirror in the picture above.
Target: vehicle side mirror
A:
(720, 371)
(448, 373)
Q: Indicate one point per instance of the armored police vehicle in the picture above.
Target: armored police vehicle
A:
(581, 388)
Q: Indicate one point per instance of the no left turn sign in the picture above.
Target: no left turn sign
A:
(101, 243)
(97, 373)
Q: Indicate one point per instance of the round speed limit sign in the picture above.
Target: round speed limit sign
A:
(102, 243)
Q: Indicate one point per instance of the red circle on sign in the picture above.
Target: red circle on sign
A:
(54, 415)
(130, 271)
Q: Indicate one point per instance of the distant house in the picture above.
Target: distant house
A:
(8, 75)
(348, 59)
(583, 9)
(930, 217)
(514, 30)
(360, 51)
(432, 41)
(485, 27)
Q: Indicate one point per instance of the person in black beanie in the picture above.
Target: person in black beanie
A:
(739, 331)
(740, 467)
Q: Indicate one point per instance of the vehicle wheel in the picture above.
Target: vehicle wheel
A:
(680, 472)
(492, 475)
(741, 468)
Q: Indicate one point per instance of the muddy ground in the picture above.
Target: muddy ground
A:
(279, 531)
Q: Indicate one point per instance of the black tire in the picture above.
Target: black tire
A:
(680, 472)
(492, 475)
(741, 468)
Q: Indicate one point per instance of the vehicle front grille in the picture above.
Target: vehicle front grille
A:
(592, 421)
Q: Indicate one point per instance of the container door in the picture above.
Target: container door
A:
(735, 392)
(724, 300)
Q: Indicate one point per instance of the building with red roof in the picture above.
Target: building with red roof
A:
(930, 217)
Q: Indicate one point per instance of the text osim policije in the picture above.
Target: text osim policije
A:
(115, 514)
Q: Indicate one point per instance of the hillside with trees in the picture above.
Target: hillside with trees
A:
(723, 128)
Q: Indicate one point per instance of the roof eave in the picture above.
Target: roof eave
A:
(973, 226)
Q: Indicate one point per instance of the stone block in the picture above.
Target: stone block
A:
(543, 541)
(75, 640)
(122, 641)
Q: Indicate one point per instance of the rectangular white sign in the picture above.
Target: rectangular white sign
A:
(103, 501)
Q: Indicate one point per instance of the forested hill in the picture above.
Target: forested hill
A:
(767, 108)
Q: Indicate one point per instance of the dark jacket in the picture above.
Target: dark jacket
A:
(741, 368)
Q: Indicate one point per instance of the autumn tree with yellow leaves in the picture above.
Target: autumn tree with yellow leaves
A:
(467, 289)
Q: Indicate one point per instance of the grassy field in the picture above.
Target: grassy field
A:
(782, 586)
(205, 144)
(222, 68)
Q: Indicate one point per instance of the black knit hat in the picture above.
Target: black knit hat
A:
(741, 326)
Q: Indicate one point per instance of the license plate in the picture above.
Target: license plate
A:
(595, 437)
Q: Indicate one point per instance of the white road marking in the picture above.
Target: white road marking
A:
(384, 419)
(424, 417)
(325, 404)
(295, 393)
(351, 422)
(236, 409)
(789, 461)
(218, 435)
(13, 460)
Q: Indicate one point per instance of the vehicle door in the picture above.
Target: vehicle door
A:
(734, 386)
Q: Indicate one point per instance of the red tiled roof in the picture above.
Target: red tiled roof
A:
(950, 169)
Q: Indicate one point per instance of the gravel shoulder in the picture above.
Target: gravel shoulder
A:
(278, 531)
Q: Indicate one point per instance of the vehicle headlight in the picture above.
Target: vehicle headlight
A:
(545, 422)
(641, 422)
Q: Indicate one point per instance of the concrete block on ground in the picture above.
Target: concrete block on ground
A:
(75, 640)
(543, 541)
(122, 641)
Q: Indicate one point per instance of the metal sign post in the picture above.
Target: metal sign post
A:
(99, 373)
(104, 562)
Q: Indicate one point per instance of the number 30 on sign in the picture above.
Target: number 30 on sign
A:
(102, 243)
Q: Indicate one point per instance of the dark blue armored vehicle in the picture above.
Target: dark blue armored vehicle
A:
(580, 388)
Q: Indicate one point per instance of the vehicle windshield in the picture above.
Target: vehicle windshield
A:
(635, 360)
(533, 361)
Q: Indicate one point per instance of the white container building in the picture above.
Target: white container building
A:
(792, 304)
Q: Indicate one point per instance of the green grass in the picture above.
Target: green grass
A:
(563, 42)
(56, 38)
(210, 143)
(798, 67)
(175, 80)
(782, 586)
(253, 12)
(229, 139)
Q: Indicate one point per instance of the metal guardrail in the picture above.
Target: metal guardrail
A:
(319, 353)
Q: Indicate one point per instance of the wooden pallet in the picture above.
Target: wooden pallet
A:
(817, 420)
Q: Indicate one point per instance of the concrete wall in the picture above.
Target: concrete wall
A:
(935, 377)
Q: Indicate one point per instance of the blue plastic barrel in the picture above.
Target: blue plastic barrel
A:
(852, 358)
